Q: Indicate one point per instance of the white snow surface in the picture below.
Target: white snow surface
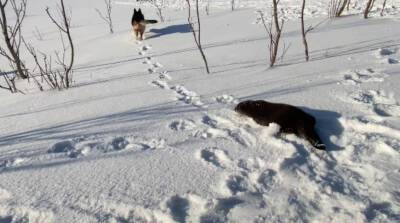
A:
(145, 135)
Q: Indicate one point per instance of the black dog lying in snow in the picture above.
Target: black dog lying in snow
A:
(290, 118)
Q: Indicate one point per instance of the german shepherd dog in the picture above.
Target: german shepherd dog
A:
(139, 24)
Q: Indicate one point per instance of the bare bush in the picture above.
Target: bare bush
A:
(207, 7)
(38, 35)
(336, 7)
(159, 6)
(348, 5)
(61, 59)
(368, 8)
(304, 31)
(9, 80)
(274, 31)
(197, 34)
(383, 7)
(44, 67)
(12, 35)
(107, 16)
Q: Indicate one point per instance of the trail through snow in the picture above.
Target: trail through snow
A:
(146, 136)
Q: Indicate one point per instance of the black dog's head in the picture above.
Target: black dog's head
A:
(137, 16)
(247, 107)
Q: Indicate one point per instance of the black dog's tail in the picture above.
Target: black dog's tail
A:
(150, 21)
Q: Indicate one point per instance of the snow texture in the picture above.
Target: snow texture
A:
(145, 135)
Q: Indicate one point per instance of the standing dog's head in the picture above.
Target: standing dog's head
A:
(137, 17)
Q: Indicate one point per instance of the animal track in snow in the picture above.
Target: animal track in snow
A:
(178, 208)
(164, 75)
(192, 208)
(210, 133)
(385, 52)
(267, 179)
(83, 146)
(379, 102)
(161, 84)
(215, 157)
(221, 127)
(253, 177)
(182, 125)
(221, 209)
(365, 126)
(187, 96)
(11, 212)
(236, 184)
(116, 144)
(226, 99)
(11, 162)
(361, 76)
(66, 147)
(148, 61)
(154, 67)
(387, 55)
(153, 144)
(111, 211)
(185, 208)
(392, 61)
(144, 49)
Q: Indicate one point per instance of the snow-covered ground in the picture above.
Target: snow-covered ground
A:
(145, 135)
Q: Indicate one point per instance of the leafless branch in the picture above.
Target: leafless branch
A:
(274, 32)
(336, 7)
(159, 6)
(383, 7)
(9, 80)
(304, 32)
(197, 34)
(64, 27)
(12, 34)
(284, 51)
(207, 7)
(107, 17)
(37, 34)
(368, 8)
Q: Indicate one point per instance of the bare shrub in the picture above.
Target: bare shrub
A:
(336, 7)
(12, 35)
(368, 8)
(383, 7)
(61, 59)
(207, 7)
(107, 16)
(197, 32)
(348, 5)
(159, 5)
(44, 67)
(9, 80)
(38, 35)
(304, 31)
(274, 31)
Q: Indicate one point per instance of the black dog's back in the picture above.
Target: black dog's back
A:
(290, 118)
(264, 112)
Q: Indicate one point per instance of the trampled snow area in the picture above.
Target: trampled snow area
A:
(145, 135)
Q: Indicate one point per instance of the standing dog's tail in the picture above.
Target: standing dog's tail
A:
(150, 21)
